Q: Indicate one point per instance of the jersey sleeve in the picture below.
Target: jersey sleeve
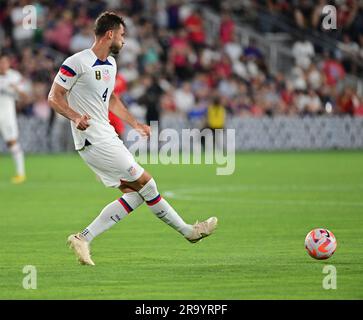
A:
(69, 72)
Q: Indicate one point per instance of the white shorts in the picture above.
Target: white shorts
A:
(8, 125)
(112, 162)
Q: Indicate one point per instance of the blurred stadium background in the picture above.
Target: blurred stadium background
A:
(283, 81)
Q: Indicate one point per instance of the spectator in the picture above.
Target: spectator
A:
(227, 28)
(151, 99)
(347, 101)
(173, 15)
(223, 68)
(198, 113)
(82, 19)
(303, 52)
(184, 98)
(130, 72)
(233, 48)
(302, 13)
(209, 56)
(317, 14)
(228, 87)
(333, 70)
(314, 105)
(298, 78)
(22, 36)
(167, 102)
(41, 108)
(180, 54)
(346, 14)
(60, 35)
(313, 77)
(171, 40)
(216, 119)
(151, 51)
(270, 98)
(130, 52)
(240, 69)
(252, 52)
(358, 110)
(195, 28)
(287, 97)
(82, 40)
(302, 101)
(161, 16)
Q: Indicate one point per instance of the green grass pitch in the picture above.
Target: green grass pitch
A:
(265, 210)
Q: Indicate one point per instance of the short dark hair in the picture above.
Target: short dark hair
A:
(108, 21)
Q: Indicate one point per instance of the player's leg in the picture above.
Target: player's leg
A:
(18, 158)
(109, 216)
(9, 131)
(113, 213)
(147, 188)
(106, 162)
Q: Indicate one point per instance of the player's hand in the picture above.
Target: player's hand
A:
(82, 122)
(143, 129)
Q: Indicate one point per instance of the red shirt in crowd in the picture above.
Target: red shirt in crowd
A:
(179, 51)
(226, 31)
(333, 71)
(194, 25)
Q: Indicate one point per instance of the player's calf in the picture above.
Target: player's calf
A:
(112, 213)
(18, 157)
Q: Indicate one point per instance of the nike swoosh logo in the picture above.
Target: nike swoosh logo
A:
(64, 80)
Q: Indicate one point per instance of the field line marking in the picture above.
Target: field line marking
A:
(184, 197)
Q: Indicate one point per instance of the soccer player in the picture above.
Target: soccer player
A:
(82, 91)
(10, 91)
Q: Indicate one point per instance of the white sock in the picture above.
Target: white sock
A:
(112, 213)
(162, 209)
(18, 156)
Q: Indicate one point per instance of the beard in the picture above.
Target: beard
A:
(115, 48)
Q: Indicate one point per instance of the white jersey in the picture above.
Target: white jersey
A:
(90, 83)
(8, 95)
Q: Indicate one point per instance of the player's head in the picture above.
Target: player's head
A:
(4, 63)
(111, 28)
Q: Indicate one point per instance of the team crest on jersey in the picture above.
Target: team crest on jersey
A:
(98, 74)
(106, 75)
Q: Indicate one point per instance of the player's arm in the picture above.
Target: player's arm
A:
(117, 107)
(57, 100)
(21, 94)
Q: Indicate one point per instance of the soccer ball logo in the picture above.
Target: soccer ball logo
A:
(320, 243)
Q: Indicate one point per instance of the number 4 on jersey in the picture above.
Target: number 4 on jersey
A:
(104, 96)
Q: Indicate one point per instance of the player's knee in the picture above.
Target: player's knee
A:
(139, 183)
(125, 189)
(149, 190)
(11, 143)
(144, 179)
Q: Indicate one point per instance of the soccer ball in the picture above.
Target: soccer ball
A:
(320, 243)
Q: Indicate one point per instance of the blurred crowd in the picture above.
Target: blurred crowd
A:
(307, 16)
(167, 65)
